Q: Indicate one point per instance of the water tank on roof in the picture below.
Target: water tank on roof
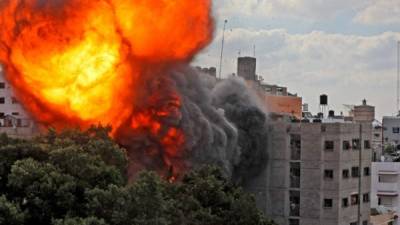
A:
(323, 100)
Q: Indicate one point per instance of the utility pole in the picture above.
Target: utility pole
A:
(222, 49)
(398, 79)
(360, 148)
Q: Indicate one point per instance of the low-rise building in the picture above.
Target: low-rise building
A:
(14, 120)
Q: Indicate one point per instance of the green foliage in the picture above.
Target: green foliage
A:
(80, 221)
(10, 213)
(79, 178)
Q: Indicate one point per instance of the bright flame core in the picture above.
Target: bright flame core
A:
(79, 62)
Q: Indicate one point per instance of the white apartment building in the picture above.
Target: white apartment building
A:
(385, 186)
(313, 175)
(14, 120)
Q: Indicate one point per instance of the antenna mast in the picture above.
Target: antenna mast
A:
(222, 49)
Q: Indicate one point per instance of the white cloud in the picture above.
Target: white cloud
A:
(380, 12)
(348, 67)
(299, 9)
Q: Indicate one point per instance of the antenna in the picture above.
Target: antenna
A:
(398, 78)
(222, 49)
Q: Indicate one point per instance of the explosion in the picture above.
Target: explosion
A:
(124, 63)
(82, 62)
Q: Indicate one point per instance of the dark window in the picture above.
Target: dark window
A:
(366, 197)
(354, 199)
(328, 174)
(294, 222)
(377, 135)
(294, 197)
(2, 100)
(345, 173)
(15, 113)
(295, 146)
(2, 115)
(2, 85)
(346, 145)
(295, 175)
(328, 203)
(329, 145)
(355, 172)
(356, 144)
(396, 130)
(354, 223)
(345, 202)
(367, 171)
(14, 100)
(367, 144)
(379, 201)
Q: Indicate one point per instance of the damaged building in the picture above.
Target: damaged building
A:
(318, 170)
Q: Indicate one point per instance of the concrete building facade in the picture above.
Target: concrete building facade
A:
(391, 129)
(385, 185)
(14, 120)
(313, 174)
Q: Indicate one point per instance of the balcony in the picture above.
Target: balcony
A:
(387, 189)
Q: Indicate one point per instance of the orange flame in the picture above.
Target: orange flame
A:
(79, 62)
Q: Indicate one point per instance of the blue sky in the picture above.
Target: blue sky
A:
(344, 48)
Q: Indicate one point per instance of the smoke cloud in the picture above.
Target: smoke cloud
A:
(224, 123)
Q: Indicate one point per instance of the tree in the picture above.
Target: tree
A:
(79, 178)
(10, 213)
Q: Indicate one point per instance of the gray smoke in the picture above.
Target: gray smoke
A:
(224, 123)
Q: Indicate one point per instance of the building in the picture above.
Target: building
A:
(277, 99)
(313, 174)
(14, 120)
(391, 130)
(377, 141)
(385, 186)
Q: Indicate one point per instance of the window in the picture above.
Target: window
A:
(346, 145)
(294, 198)
(15, 113)
(367, 144)
(356, 144)
(354, 223)
(354, 199)
(14, 100)
(329, 145)
(365, 222)
(396, 130)
(345, 202)
(295, 147)
(328, 174)
(328, 203)
(345, 174)
(379, 201)
(367, 171)
(2, 85)
(295, 175)
(355, 172)
(377, 135)
(294, 222)
(2, 114)
(366, 197)
(2, 100)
